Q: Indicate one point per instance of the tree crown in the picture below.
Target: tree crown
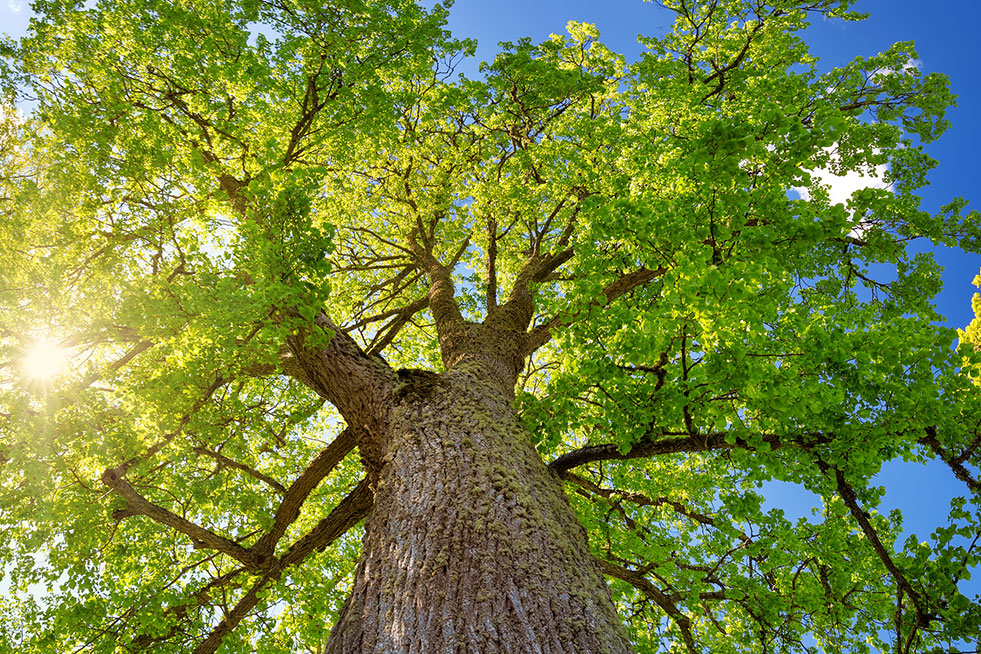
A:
(202, 188)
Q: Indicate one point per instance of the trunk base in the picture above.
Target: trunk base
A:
(472, 546)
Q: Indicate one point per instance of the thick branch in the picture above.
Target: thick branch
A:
(290, 367)
(200, 537)
(299, 490)
(639, 582)
(211, 644)
(848, 496)
(348, 513)
(341, 373)
(352, 509)
(956, 465)
(516, 313)
(491, 263)
(357, 384)
(442, 302)
(643, 449)
(450, 323)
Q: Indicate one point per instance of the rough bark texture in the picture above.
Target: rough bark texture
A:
(471, 546)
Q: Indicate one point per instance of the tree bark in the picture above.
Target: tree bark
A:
(472, 545)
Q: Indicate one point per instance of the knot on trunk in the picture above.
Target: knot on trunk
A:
(415, 383)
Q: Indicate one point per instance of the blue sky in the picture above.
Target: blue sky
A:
(946, 33)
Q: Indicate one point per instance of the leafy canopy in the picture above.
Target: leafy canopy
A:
(196, 181)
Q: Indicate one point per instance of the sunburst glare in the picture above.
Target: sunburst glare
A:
(44, 360)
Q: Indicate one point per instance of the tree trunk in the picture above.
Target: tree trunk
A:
(471, 546)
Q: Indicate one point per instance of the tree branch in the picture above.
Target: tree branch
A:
(446, 312)
(130, 354)
(956, 465)
(121, 469)
(720, 73)
(848, 496)
(491, 263)
(517, 312)
(357, 384)
(348, 513)
(637, 498)
(639, 582)
(300, 489)
(402, 317)
(248, 602)
(352, 509)
(445, 309)
(648, 448)
(231, 463)
(542, 334)
(201, 597)
(200, 537)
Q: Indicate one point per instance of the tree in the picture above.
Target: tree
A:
(365, 356)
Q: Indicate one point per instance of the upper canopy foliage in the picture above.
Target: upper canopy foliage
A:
(198, 180)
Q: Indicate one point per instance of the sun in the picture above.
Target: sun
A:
(44, 360)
